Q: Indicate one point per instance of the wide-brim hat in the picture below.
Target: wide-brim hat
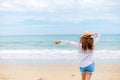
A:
(87, 34)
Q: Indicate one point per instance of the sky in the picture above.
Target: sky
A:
(50, 17)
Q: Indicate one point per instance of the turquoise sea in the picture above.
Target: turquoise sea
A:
(40, 49)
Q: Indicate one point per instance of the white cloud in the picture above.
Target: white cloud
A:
(22, 5)
(92, 3)
(62, 10)
(16, 5)
(13, 19)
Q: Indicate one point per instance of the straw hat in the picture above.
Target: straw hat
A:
(88, 34)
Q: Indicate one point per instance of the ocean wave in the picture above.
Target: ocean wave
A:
(53, 54)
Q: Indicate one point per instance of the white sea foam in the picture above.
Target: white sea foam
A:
(107, 54)
(37, 54)
(55, 54)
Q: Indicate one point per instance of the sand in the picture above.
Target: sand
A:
(56, 72)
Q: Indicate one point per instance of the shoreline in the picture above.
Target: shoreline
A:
(56, 71)
(56, 61)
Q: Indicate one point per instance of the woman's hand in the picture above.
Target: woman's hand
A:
(96, 34)
(57, 41)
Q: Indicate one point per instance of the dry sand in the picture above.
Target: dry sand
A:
(56, 72)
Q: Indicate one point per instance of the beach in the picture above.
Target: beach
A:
(56, 72)
(38, 58)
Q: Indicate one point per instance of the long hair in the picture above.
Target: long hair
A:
(87, 43)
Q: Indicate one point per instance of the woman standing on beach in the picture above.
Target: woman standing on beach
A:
(85, 49)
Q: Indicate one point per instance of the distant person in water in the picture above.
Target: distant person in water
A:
(85, 49)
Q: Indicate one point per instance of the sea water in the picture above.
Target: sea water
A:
(40, 49)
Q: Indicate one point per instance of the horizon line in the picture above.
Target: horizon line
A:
(49, 34)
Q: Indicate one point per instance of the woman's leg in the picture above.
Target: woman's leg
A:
(87, 72)
(83, 76)
(88, 76)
